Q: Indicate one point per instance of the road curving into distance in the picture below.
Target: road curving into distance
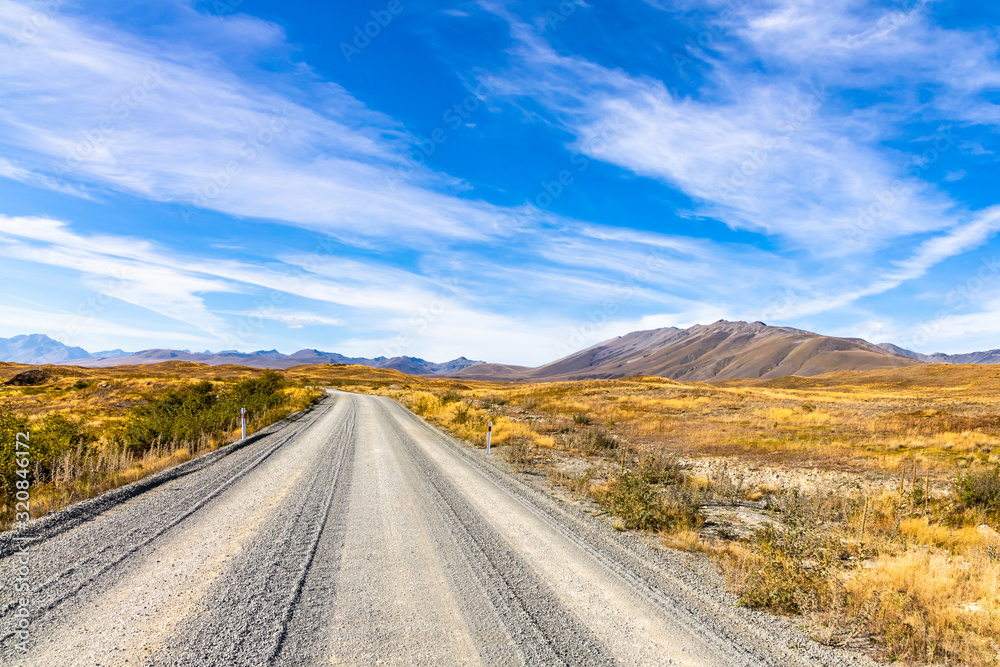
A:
(356, 534)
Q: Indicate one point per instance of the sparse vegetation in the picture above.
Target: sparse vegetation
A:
(980, 490)
(882, 534)
(203, 411)
(869, 500)
(518, 452)
(91, 436)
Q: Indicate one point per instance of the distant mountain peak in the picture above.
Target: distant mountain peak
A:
(717, 351)
(40, 349)
(984, 357)
(723, 349)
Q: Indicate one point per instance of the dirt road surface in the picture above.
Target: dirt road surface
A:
(356, 534)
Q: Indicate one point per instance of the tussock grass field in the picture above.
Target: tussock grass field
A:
(92, 430)
(865, 504)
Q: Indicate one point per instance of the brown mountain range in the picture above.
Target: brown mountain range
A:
(719, 351)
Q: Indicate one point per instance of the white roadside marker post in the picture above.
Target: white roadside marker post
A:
(489, 436)
(243, 423)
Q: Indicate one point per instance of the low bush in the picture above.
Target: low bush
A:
(633, 497)
(980, 490)
(192, 413)
(592, 441)
(517, 452)
(50, 438)
(791, 572)
(73, 458)
(450, 397)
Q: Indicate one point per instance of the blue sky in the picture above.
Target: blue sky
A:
(505, 181)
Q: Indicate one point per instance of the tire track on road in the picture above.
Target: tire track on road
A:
(199, 493)
(541, 629)
(107, 554)
(243, 618)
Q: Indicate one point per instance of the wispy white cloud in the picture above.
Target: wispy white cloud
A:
(870, 43)
(403, 312)
(178, 126)
(770, 156)
(294, 320)
(91, 109)
(16, 320)
(124, 269)
(12, 171)
(782, 155)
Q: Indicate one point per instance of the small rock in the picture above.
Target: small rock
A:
(987, 533)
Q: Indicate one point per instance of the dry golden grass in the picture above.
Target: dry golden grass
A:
(887, 566)
(97, 402)
(897, 564)
(930, 604)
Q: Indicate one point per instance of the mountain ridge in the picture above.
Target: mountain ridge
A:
(983, 357)
(40, 349)
(719, 351)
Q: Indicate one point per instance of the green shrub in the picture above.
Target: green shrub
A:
(794, 562)
(980, 489)
(450, 397)
(660, 467)
(10, 425)
(189, 414)
(632, 497)
(593, 441)
(50, 438)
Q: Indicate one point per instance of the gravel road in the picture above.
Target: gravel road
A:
(356, 534)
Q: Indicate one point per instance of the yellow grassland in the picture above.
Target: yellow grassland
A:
(99, 403)
(915, 578)
(902, 569)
